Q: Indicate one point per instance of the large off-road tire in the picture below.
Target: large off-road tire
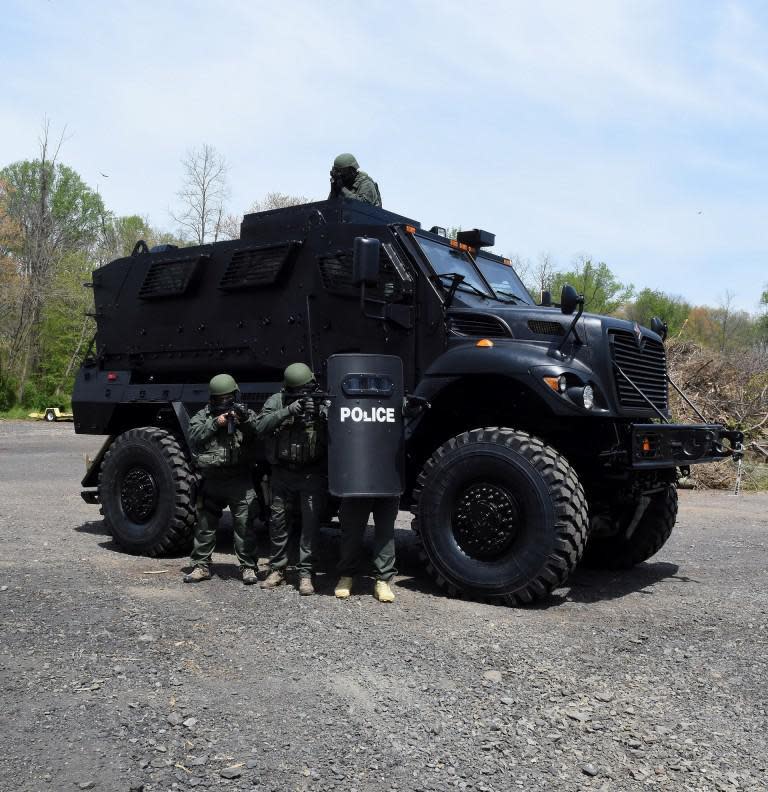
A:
(147, 492)
(500, 515)
(650, 534)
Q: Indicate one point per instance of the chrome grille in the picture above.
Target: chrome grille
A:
(646, 366)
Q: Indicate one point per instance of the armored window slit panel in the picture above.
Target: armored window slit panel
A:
(256, 267)
(170, 277)
(395, 281)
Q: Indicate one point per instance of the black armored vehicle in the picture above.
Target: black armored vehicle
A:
(549, 434)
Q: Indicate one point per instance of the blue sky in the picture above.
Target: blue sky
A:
(633, 132)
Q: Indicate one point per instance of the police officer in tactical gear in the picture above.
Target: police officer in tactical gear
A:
(348, 181)
(353, 516)
(293, 424)
(222, 436)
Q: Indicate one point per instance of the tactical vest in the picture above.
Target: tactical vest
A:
(224, 450)
(297, 444)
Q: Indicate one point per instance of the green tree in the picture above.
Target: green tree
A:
(56, 215)
(762, 321)
(603, 292)
(119, 235)
(649, 303)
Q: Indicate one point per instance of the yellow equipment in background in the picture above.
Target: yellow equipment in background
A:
(52, 414)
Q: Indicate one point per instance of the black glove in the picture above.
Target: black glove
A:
(336, 183)
(296, 407)
(241, 412)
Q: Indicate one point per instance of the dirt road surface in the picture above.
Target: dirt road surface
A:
(114, 678)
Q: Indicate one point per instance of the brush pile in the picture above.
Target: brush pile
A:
(730, 388)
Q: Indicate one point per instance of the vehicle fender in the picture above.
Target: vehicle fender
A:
(502, 358)
(91, 478)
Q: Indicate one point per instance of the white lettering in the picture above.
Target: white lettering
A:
(374, 415)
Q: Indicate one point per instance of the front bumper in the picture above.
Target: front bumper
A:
(667, 445)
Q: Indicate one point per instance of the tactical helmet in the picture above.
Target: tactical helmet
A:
(297, 375)
(345, 161)
(222, 384)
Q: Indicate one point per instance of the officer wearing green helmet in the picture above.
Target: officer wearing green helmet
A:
(293, 425)
(348, 181)
(222, 437)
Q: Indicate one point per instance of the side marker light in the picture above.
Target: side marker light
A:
(484, 342)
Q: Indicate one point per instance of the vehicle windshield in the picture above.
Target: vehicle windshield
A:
(504, 280)
(447, 260)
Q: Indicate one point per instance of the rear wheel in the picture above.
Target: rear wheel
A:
(147, 492)
(648, 537)
(500, 514)
(50, 416)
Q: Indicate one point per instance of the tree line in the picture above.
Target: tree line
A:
(55, 230)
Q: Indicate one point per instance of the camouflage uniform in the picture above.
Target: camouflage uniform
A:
(225, 462)
(297, 451)
(364, 189)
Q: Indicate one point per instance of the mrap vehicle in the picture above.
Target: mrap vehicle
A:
(548, 437)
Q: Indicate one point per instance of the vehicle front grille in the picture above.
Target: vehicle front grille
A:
(477, 325)
(645, 365)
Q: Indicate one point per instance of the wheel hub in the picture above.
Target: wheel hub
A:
(485, 521)
(138, 495)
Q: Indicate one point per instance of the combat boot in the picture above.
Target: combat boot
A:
(306, 589)
(200, 572)
(249, 576)
(343, 587)
(383, 592)
(274, 579)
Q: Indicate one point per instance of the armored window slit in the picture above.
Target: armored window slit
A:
(395, 281)
(257, 267)
(170, 277)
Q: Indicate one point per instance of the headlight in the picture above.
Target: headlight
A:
(582, 395)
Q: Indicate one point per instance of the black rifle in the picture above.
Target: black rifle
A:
(235, 412)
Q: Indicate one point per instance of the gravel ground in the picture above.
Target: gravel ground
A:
(113, 678)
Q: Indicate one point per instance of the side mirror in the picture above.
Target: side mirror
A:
(660, 327)
(569, 299)
(546, 298)
(366, 261)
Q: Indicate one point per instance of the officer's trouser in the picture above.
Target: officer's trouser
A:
(353, 514)
(216, 494)
(311, 492)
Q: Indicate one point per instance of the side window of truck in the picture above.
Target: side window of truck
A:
(395, 283)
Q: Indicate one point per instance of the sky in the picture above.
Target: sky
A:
(635, 133)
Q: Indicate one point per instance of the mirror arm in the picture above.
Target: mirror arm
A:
(382, 316)
(572, 328)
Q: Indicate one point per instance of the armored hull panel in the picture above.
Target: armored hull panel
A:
(249, 307)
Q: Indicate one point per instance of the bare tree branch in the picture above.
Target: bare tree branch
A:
(203, 194)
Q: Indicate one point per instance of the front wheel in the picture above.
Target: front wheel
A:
(651, 532)
(147, 492)
(500, 515)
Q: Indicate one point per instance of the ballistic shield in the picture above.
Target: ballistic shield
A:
(365, 426)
